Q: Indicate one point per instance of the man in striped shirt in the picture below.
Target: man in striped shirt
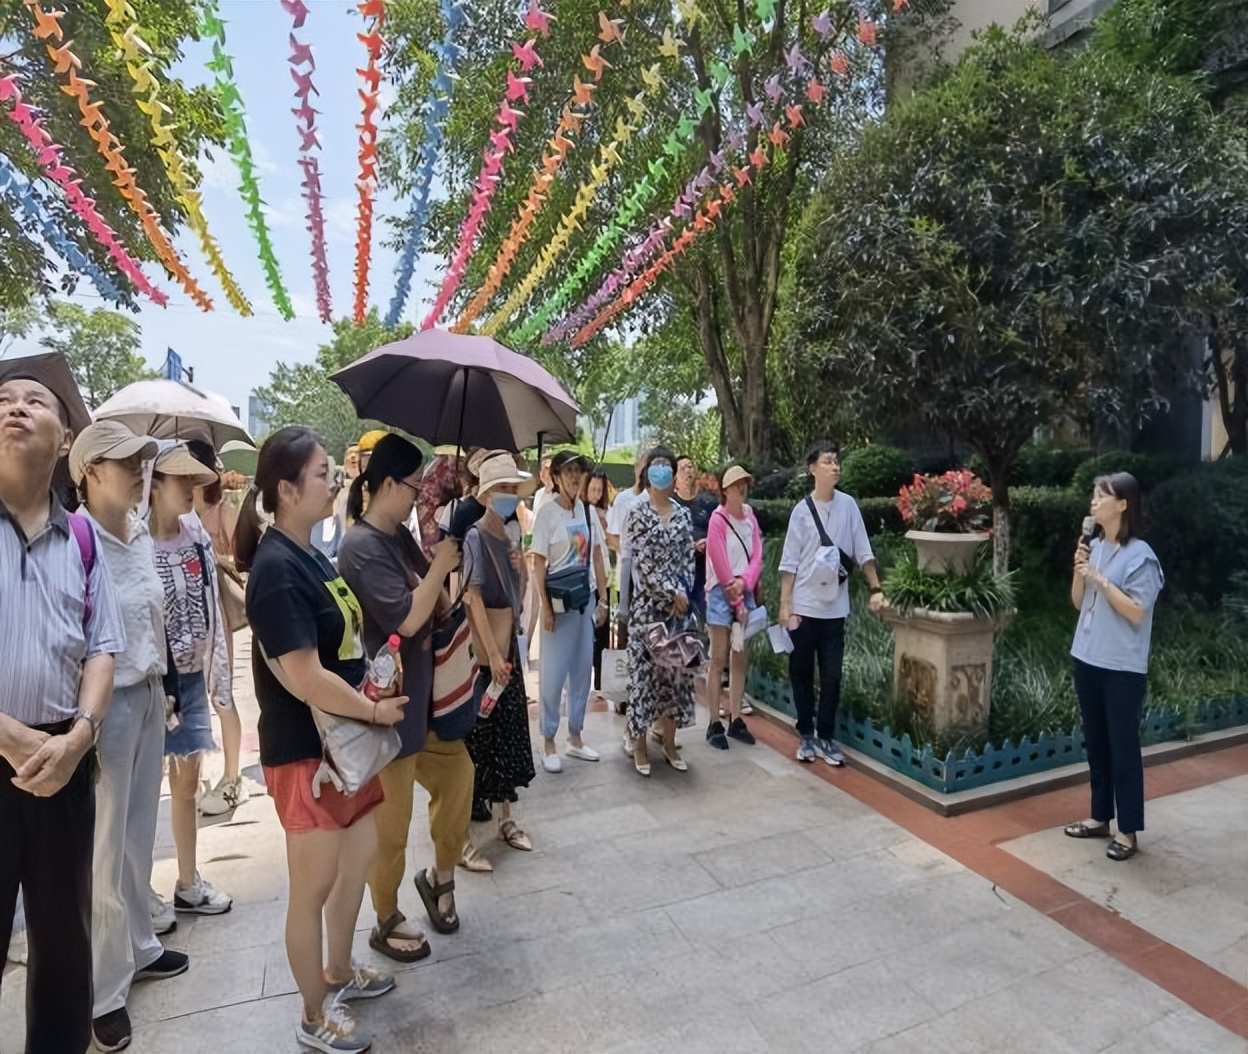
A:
(59, 630)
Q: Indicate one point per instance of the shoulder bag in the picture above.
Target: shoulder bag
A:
(829, 554)
(569, 589)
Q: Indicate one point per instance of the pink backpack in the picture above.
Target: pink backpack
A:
(80, 527)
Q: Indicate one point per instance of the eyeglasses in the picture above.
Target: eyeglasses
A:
(410, 486)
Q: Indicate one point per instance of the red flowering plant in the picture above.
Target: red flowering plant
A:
(955, 503)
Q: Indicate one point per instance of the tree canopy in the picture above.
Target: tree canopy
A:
(102, 347)
(1030, 237)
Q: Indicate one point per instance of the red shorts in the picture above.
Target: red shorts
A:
(290, 787)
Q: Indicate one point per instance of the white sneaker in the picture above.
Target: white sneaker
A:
(335, 1033)
(224, 797)
(164, 920)
(201, 899)
(583, 752)
(552, 763)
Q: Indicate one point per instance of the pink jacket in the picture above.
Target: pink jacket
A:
(717, 550)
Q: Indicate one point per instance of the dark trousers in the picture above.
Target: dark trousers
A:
(822, 640)
(1111, 702)
(46, 848)
(602, 638)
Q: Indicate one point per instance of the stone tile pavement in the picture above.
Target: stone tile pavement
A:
(748, 905)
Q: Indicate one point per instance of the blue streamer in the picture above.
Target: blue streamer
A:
(15, 188)
(437, 106)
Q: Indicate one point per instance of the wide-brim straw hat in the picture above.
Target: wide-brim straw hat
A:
(177, 460)
(735, 474)
(499, 469)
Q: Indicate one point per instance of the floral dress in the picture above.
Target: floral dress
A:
(662, 564)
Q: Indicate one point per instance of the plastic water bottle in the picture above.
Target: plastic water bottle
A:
(383, 671)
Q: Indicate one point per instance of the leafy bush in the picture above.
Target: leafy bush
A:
(876, 471)
(1149, 471)
(771, 482)
(1039, 465)
(881, 515)
(799, 486)
(977, 591)
(773, 516)
(1044, 526)
(1198, 525)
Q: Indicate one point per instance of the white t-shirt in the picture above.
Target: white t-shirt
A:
(541, 499)
(617, 517)
(842, 520)
(561, 536)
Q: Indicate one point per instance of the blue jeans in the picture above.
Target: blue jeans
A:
(1110, 702)
(567, 658)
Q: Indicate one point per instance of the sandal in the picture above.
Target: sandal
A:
(1083, 829)
(443, 922)
(1117, 850)
(379, 941)
(675, 760)
(472, 860)
(510, 833)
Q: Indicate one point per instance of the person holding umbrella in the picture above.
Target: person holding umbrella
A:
(499, 743)
(567, 557)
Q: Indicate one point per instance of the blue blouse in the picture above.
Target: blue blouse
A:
(1103, 637)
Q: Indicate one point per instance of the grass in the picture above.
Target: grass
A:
(1197, 655)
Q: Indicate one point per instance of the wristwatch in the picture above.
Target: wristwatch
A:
(93, 721)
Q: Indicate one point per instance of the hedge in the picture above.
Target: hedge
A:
(1151, 471)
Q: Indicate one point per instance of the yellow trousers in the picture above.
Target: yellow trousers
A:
(446, 771)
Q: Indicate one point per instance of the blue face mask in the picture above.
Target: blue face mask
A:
(660, 476)
(504, 505)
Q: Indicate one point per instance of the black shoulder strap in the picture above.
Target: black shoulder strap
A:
(589, 539)
(203, 570)
(823, 534)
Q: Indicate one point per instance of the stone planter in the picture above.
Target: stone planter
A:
(942, 666)
(946, 553)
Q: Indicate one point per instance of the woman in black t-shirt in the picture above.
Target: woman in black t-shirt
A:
(308, 651)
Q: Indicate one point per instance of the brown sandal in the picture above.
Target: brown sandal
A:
(379, 941)
(443, 921)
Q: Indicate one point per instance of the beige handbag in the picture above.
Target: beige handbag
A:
(233, 596)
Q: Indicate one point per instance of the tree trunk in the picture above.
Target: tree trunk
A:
(1231, 378)
(997, 475)
(704, 293)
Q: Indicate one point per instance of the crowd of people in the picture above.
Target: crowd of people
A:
(121, 651)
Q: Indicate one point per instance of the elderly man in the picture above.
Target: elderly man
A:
(59, 630)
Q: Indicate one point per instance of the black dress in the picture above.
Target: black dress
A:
(499, 745)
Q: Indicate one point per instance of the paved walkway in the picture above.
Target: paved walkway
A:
(751, 904)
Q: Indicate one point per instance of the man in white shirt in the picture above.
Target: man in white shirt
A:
(617, 537)
(826, 536)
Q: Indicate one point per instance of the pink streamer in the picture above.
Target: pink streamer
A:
(305, 123)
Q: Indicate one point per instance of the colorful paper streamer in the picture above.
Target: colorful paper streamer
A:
(67, 64)
(48, 154)
(127, 35)
(437, 106)
(302, 66)
(507, 121)
(17, 194)
(366, 179)
(239, 145)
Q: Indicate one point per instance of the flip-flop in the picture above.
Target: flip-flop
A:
(430, 895)
(378, 941)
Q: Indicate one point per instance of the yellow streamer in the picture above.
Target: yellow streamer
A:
(137, 54)
(67, 65)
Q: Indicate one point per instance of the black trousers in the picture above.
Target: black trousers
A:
(46, 848)
(602, 638)
(819, 640)
(1110, 702)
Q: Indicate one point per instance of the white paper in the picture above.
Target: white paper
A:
(781, 643)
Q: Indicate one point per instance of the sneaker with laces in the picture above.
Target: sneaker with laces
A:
(715, 735)
(200, 898)
(830, 752)
(164, 920)
(334, 1034)
(226, 796)
(365, 983)
(738, 731)
(112, 1030)
(806, 749)
(169, 964)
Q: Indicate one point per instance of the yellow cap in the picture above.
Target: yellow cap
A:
(370, 439)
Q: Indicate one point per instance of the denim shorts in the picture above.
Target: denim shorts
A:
(719, 611)
(194, 732)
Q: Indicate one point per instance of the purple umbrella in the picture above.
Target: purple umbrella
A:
(451, 388)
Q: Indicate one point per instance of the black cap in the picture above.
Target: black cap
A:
(567, 457)
(53, 372)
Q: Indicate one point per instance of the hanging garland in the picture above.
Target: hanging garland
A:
(560, 144)
(366, 180)
(507, 120)
(231, 100)
(48, 154)
(126, 35)
(67, 64)
(17, 193)
(437, 106)
(302, 66)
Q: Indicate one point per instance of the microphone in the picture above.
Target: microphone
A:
(1089, 530)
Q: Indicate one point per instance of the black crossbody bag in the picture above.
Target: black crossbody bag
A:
(569, 589)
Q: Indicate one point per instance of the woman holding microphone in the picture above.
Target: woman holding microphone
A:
(1115, 584)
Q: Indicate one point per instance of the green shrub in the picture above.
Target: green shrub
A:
(773, 516)
(876, 471)
(881, 515)
(1198, 525)
(1039, 465)
(1044, 527)
(1149, 471)
(977, 591)
(798, 487)
(772, 482)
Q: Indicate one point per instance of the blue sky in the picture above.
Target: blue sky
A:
(233, 355)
